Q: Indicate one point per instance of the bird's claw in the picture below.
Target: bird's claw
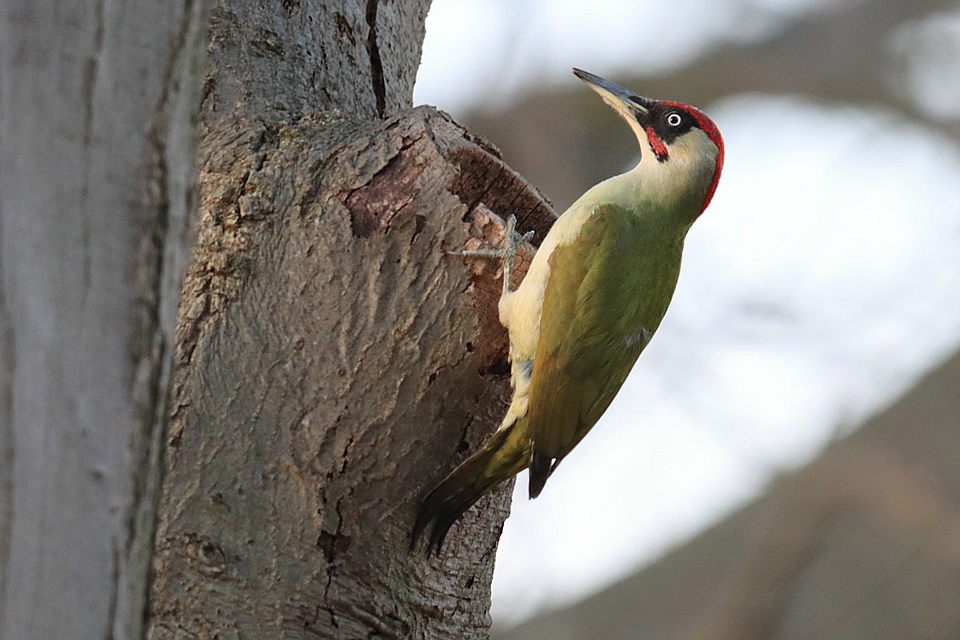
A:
(511, 244)
(513, 239)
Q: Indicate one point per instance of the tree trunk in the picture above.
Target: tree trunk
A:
(333, 362)
(97, 108)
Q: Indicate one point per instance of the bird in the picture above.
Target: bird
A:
(592, 298)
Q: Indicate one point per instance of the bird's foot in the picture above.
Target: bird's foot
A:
(511, 244)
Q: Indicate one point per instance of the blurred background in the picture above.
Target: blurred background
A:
(784, 461)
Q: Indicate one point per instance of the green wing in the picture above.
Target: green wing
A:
(605, 296)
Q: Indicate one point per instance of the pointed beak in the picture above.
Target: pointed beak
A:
(626, 103)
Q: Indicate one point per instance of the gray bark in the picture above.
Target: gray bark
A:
(333, 363)
(297, 56)
(97, 106)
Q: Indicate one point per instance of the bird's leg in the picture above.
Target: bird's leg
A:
(507, 254)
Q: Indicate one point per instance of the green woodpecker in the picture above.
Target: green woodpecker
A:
(592, 298)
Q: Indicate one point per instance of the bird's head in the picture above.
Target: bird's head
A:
(681, 139)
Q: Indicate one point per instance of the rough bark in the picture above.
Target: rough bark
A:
(281, 60)
(333, 364)
(97, 115)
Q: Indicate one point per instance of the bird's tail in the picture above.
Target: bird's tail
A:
(505, 454)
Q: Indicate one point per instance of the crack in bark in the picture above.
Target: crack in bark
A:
(91, 71)
(376, 63)
(329, 548)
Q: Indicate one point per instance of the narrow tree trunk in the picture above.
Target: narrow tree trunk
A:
(97, 115)
(333, 362)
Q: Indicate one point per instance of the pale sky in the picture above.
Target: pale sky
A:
(821, 282)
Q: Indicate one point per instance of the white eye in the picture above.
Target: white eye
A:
(674, 119)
